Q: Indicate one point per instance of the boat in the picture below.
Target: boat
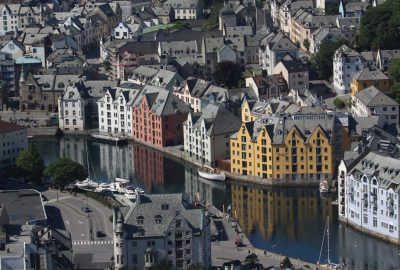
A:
(87, 183)
(103, 187)
(212, 175)
(328, 265)
(121, 180)
(139, 190)
(324, 186)
(130, 194)
(109, 138)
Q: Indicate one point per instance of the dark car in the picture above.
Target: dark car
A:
(100, 234)
(86, 209)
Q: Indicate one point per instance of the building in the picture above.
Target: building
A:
(126, 31)
(295, 73)
(370, 76)
(185, 10)
(206, 135)
(14, 139)
(290, 147)
(7, 72)
(353, 9)
(266, 87)
(26, 241)
(158, 116)
(346, 63)
(161, 227)
(371, 101)
(71, 107)
(194, 91)
(273, 48)
(370, 189)
(157, 77)
(115, 111)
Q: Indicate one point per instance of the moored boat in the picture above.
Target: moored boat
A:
(212, 175)
(324, 186)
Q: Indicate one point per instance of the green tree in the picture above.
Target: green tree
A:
(321, 62)
(64, 171)
(286, 263)
(340, 104)
(380, 26)
(213, 18)
(107, 65)
(228, 73)
(396, 91)
(30, 165)
(251, 259)
(196, 266)
(163, 265)
(306, 44)
(394, 71)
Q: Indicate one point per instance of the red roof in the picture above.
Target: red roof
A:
(6, 127)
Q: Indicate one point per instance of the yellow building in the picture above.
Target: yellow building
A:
(285, 147)
(251, 110)
(367, 77)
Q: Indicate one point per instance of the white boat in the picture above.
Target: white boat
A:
(328, 265)
(103, 187)
(121, 180)
(211, 175)
(87, 183)
(324, 186)
(139, 190)
(130, 194)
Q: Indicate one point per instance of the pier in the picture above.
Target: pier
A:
(224, 249)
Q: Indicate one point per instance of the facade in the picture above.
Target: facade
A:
(206, 135)
(266, 87)
(346, 63)
(126, 31)
(71, 107)
(115, 111)
(370, 76)
(158, 116)
(7, 72)
(371, 101)
(14, 139)
(295, 73)
(371, 195)
(296, 147)
(161, 227)
(273, 48)
(185, 10)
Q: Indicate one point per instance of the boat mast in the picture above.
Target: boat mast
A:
(323, 240)
(327, 232)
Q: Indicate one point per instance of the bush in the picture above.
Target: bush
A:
(286, 263)
(340, 104)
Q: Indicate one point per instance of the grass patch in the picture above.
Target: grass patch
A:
(106, 201)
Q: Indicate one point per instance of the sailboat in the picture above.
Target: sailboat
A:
(87, 183)
(329, 265)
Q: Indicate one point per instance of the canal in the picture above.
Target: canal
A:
(289, 221)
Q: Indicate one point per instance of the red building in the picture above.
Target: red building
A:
(157, 117)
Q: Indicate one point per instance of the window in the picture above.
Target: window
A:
(140, 219)
(158, 219)
(178, 223)
(11, 46)
(74, 122)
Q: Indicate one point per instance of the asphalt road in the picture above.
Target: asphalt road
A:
(90, 251)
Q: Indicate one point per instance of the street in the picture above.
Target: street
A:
(90, 251)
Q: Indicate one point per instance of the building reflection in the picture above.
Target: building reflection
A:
(149, 166)
(265, 209)
(74, 148)
(203, 190)
(116, 161)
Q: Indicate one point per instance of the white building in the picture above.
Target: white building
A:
(371, 101)
(161, 227)
(185, 10)
(206, 137)
(115, 112)
(346, 63)
(13, 139)
(370, 198)
(71, 106)
(126, 31)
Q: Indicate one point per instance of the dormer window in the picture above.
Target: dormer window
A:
(141, 232)
(158, 219)
(46, 85)
(60, 85)
(165, 207)
(140, 219)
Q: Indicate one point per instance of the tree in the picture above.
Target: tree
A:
(213, 19)
(163, 265)
(340, 104)
(228, 73)
(196, 266)
(251, 259)
(64, 171)
(307, 44)
(394, 71)
(30, 165)
(286, 263)
(107, 65)
(321, 62)
(379, 27)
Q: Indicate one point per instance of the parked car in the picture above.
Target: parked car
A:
(100, 234)
(86, 209)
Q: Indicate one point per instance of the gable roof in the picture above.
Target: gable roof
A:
(371, 96)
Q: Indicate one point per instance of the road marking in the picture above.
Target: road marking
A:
(83, 243)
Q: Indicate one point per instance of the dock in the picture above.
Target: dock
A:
(224, 248)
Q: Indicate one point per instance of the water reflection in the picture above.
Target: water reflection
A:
(289, 221)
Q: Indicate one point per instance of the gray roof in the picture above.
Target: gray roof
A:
(371, 96)
(218, 120)
(23, 206)
(280, 42)
(294, 66)
(386, 169)
(151, 206)
(370, 73)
